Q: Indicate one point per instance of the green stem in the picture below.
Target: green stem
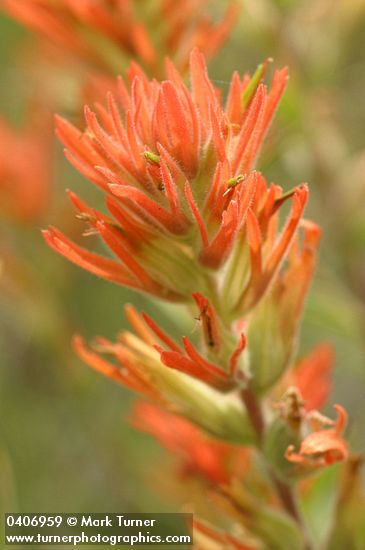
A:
(287, 497)
(254, 412)
(284, 491)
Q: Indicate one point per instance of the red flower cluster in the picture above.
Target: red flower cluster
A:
(177, 169)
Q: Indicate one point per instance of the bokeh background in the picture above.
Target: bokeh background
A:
(65, 440)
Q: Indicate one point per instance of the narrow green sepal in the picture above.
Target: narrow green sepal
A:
(254, 82)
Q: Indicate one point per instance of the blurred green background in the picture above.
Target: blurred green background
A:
(65, 444)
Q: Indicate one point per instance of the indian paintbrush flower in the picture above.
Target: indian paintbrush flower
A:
(165, 158)
(190, 220)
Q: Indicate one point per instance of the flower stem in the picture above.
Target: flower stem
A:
(254, 412)
(284, 490)
(287, 497)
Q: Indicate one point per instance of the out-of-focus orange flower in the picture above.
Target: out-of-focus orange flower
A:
(201, 455)
(177, 170)
(322, 447)
(312, 376)
(106, 31)
(25, 178)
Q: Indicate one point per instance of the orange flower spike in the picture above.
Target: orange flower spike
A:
(164, 121)
(142, 150)
(322, 447)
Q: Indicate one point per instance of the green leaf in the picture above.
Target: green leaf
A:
(278, 531)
